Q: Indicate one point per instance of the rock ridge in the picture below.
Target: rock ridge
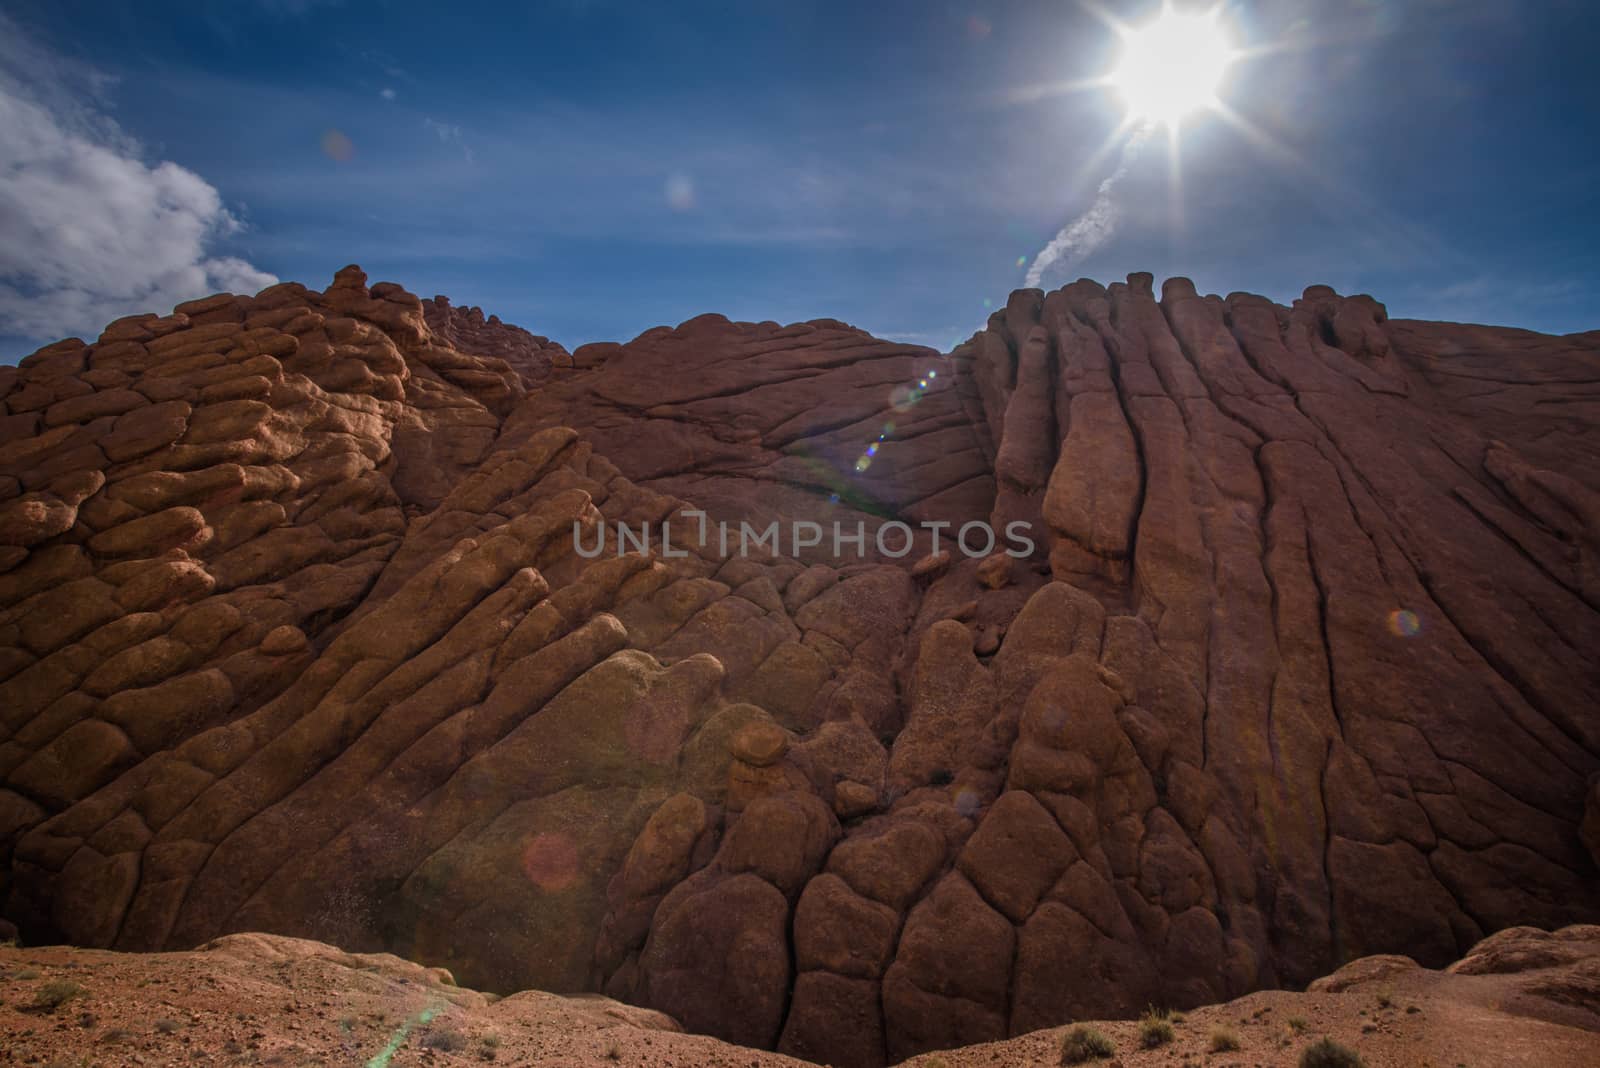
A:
(294, 638)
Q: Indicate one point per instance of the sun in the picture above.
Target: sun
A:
(1172, 66)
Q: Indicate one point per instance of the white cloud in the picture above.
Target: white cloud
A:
(387, 93)
(449, 134)
(92, 232)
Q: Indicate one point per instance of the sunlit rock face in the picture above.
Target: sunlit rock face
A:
(296, 638)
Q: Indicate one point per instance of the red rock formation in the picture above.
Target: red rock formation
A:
(296, 639)
(467, 330)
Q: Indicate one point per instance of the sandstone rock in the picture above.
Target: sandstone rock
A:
(852, 799)
(834, 1018)
(296, 637)
(995, 571)
(1016, 855)
(761, 744)
(660, 856)
(173, 528)
(281, 641)
(720, 959)
(948, 983)
(838, 931)
(144, 430)
(783, 838)
(92, 406)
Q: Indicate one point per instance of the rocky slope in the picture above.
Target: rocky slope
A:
(1522, 998)
(294, 638)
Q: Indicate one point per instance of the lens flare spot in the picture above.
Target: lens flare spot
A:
(680, 193)
(550, 861)
(1404, 623)
(968, 802)
(872, 450)
(337, 147)
(863, 463)
(384, 1056)
(901, 398)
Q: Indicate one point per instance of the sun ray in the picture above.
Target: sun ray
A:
(1175, 176)
(1103, 151)
(1344, 198)
(1098, 11)
(1028, 94)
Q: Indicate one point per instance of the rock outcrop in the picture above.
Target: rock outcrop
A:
(468, 330)
(299, 633)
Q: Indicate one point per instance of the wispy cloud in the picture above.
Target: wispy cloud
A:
(449, 134)
(1084, 236)
(93, 231)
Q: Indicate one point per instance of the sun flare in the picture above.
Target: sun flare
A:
(1172, 66)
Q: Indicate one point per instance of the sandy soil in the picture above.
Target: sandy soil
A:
(266, 1000)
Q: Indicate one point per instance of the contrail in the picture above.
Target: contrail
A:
(1085, 234)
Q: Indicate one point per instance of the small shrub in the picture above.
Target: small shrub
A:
(445, 1040)
(613, 1052)
(168, 1027)
(56, 993)
(1084, 1044)
(1326, 1053)
(1385, 1001)
(1298, 1024)
(1154, 1030)
(491, 1041)
(1224, 1040)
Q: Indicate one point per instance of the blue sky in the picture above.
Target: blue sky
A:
(589, 169)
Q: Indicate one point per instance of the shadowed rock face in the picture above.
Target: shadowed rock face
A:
(294, 638)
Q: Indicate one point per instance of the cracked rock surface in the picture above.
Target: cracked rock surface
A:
(294, 637)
